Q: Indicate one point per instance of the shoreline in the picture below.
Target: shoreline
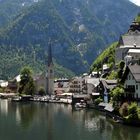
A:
(115, 118)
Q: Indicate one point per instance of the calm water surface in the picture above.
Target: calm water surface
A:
(42, 121)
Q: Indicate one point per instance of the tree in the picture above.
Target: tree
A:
(117, 95)
(121, 68)
(133, 113)
(41, 91)
(26, 85)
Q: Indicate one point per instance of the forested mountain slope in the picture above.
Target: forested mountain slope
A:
(79, 29)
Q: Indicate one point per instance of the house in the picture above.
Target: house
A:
(76, 85)
(12, 86)
(129, 44)
(92, 85)
(105, 87)
(131, 80)
(40, 81)
(61, 86)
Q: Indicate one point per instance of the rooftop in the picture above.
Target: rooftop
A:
(134, 51)
(135, 70)
(130, 40)
(132, 37)
(109, 84)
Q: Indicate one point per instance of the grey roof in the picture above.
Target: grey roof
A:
(109, 84)
(135, 70)
(80, 95)
(65, 84)
(134, 51)
(130, 40)
(93, 81)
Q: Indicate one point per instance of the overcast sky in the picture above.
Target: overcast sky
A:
(137, 2)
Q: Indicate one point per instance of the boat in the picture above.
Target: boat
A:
(16, 99)
(81, 104)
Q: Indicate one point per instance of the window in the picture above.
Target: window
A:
(136, 87)
(51, 71)
(133, 77)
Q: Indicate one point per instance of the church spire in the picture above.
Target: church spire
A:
(49, 53)
(50, 72)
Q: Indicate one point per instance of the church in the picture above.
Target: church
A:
(46, 81)
(128, 47)
(50, 72)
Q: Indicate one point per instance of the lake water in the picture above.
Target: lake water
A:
(42, 121)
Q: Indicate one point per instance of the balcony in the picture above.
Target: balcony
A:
(130, 89)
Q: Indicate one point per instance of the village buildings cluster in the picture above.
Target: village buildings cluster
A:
(128, 49)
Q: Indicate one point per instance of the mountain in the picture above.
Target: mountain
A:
(79, 29)
(10, 8)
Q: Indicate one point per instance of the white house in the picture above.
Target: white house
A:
(131, 81)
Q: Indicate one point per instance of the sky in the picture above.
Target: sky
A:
(137, 2)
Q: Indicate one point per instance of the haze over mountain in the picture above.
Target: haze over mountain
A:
(137, 2)
(79, 29)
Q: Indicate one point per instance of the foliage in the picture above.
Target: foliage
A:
(124, 109)
(121, 70)
(121, 65)
(41, 91)
(26, 85)
(117, 95)
(138, 112)
(98, 100)
(133, 113)
(10, 8)
(107, 56)
(138, 18)
(1, 90)
(132, 109)
(112, 75)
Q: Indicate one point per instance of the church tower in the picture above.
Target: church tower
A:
(50, 72)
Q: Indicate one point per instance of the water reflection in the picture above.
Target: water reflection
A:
(25, 114)
(60, 122)
(4, 107)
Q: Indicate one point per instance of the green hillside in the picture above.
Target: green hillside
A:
(10, 8)
(106, 57)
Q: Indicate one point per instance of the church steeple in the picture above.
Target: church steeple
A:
(49, 54)
(50, 72)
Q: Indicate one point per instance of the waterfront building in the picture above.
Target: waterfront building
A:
(40, 81)
(76, 85)
(50, 72)
(61, 86)
(92, 85)
(129, 44)
(105, 87)
(131, 80)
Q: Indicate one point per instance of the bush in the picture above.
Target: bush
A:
(133, 109)
(124, 109)
(112, 75)
(98, 100)
(41, 91)
(26, 85)
(133, 113)
(117, 94)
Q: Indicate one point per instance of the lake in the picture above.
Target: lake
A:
(43, 121)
